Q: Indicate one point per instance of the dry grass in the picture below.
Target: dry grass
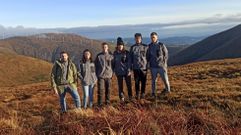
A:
(17, 69)
(205, 99)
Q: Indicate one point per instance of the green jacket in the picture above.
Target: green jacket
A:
(57, 76)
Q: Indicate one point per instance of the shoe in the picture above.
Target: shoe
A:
(122, 99)
(153, 95)
(165, 92)
(142, 95)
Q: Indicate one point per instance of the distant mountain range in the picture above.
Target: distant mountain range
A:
(170, 41)
(226, 44)
(109, 32)
(48, 46)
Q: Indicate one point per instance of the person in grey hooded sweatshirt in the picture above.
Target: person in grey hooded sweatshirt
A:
(138, 54)
(104, 72)
(122, 68)
(157, 56)
(88, 77)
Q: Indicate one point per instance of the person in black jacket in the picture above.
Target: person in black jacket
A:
(122, 68)
(138, 54)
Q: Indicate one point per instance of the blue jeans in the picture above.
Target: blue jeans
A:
(88, 91)
(163, 73)
(75, 95)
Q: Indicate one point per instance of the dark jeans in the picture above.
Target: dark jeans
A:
(140, 77)
(104, 83)
(120, 85)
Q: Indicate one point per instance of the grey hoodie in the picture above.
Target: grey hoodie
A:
(104, 64)
(122, 62)
(157, 55)
(87, 73)
(138, 54)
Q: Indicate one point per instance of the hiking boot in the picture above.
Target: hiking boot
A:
(142, 95)
(165, 92)
(153, 95)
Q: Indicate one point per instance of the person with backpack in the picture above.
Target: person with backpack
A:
(104, 72)
(122, 69)
(64, 80)
(88, 78)
(138, 53)
(157, 57)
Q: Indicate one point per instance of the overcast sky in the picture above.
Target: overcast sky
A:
(77, 13)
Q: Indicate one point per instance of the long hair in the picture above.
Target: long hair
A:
(83, 57)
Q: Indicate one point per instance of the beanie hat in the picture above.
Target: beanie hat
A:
(120, 41)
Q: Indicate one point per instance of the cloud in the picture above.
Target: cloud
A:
(194, 27)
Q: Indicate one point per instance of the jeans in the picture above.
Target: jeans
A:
(120, 85)
(163, 73)
(88, 91)
(75, 95)
(104, 84)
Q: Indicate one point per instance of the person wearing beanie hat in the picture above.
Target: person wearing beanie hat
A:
(122, 69)
(138, 53)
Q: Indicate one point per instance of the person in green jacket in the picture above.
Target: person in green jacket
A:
(64, 80)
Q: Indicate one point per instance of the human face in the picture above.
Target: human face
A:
(120, 47)
(64, 57)
(138, 39)
(87, 55)
(105, 48)
(154, 38)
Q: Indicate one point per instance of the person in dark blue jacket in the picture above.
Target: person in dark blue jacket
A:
(157, 56)
(122, 68)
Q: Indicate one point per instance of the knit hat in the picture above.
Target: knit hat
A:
(120, 41)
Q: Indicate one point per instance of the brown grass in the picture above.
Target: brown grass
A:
(18, 69)
(205, 99)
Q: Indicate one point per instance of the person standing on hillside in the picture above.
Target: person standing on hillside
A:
(64, 80)
(138, 54)
(104, 72)
(88, 77)
(122, 69)
(157, 56)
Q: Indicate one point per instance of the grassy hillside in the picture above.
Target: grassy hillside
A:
(205, 99)
(18, 69)
(48, 46)
(222, 45)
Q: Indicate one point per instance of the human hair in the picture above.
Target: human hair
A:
(105, 43)
(138, 35)
(83, 57)
(154, 33)
(63, 52)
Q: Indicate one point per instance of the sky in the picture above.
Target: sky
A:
(91, 13)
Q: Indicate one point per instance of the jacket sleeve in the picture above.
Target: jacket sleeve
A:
(131, 57)
(129, 62)
(97, 65)
(53, 75)
(113, 62)
(165, 53)
(80, 72)
(75, 73)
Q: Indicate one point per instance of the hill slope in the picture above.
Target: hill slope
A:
(226, 44)
(205, 99)
(18, 69)
(48, 46)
